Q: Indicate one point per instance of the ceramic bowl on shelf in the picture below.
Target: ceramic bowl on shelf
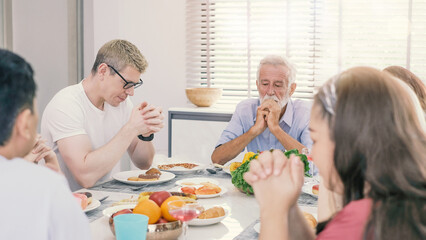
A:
(203, 97)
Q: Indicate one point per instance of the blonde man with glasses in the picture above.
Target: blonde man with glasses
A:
(93, 123)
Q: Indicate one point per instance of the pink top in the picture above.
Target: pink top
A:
(349, 223)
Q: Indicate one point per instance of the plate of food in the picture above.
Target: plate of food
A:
(142, 177)
(311, 189)
(181, 167)
(205, 190)
(87, 201)
(93, 205)
(209, 216)
(196, 181)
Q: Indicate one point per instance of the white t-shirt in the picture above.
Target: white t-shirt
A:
(71, 113)
(36, 203)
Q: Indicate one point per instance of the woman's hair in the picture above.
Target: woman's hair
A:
(120, 54)
(412, 80)
(379, 141)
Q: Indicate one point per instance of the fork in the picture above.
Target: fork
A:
(138, 188)
(103, 198)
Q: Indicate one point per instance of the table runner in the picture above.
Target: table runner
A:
(116, 186)
(97, 213)
(248, 233)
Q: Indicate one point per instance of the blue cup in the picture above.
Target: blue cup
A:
(131, 226)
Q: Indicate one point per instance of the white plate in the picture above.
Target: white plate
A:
(209, 221)
(93, 205)
(226, 168)
(310, 210)
(307, 188)
(256, 227)
(182, 170)
(224, 190)
(195, 181)
(123, 176)
(314, 179)
(109, 211)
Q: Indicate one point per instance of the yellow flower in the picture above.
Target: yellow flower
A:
(247, 156)
(234, 166)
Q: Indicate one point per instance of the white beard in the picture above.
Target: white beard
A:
(281, 103)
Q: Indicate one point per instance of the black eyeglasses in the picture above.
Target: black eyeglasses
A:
(127, 84)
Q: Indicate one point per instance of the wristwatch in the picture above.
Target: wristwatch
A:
(147, 139)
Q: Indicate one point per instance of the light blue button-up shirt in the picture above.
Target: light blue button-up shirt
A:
(294, 122)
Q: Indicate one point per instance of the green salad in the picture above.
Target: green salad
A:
(240, 183)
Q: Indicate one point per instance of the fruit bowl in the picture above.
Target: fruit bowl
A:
(203, 97)
(159, 231)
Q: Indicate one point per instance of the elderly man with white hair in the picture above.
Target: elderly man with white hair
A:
(274, 121)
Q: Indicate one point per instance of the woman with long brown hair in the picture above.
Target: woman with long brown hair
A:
(412, 80)
(370, 147)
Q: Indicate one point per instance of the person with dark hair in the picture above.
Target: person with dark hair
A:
(93, 123)
(37, 203)
(412, 80)
(369, 144)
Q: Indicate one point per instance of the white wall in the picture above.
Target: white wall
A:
(157, 28)
(41, 37)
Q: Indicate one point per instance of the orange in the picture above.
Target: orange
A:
(148, 208)
(165, 208)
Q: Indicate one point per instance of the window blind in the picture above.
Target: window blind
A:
(226, 39)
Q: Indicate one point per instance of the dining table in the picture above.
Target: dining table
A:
(239, 223)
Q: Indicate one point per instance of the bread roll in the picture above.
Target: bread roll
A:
(310, 219)
(213, 212)
(133, 179)
(150, 175)
(153, 171)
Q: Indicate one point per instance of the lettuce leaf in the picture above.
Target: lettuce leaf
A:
(240, 183)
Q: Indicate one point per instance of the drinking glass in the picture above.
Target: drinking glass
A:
(312, 168)
(131, 226)
(185, 210)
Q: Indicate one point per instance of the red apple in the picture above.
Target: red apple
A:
(162, 220)
(124, 211)
(160, 197)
